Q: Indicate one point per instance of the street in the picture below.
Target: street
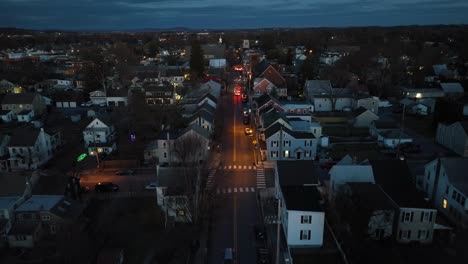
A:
(235, 203)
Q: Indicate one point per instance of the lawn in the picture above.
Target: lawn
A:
(361, 151)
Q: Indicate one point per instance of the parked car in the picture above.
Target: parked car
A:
(106, 187)
(228, 256)
(245, 98)
(263, 256)
(124, 172)
(246, 120)
(151, 186)
(84, 189)
(259, 231)
(409, 147)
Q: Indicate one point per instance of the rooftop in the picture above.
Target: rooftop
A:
(297, 173)
(40, 203)
(395, 178)
(302, 198)
(371, 195)
(21, 98)
(22, 137)
(8, 201)
(456, 168)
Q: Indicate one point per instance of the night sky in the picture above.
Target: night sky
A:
(214, 14)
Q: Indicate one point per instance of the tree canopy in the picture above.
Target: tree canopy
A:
(197, 63)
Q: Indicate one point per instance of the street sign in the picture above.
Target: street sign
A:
(81, 157)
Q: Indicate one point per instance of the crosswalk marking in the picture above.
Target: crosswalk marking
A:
(235, 190)
(237, 167)
(261, 181)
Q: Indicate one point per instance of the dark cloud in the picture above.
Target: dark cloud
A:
(125, 14)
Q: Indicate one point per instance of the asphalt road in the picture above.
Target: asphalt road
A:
(235, 212)
(127, 183)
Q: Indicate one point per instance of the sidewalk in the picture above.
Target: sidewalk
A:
(201, 255)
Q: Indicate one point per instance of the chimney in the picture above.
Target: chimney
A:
(167, 135)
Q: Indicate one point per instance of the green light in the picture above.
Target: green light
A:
(81, 157)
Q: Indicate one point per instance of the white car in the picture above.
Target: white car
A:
(151, 186)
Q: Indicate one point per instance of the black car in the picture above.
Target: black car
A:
(106, 187)
(246, 120)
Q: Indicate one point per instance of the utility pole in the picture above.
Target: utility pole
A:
(401, 131)
(278, 230)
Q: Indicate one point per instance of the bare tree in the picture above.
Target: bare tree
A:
(189, 151)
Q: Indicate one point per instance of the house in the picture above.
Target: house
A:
(208, 99)
(203, 119)
(67, 99)
(159, 94)
(99, 136)
(25, 115)
(440, 69)
(454, 136)
(420, 93)
(98, 97)
(273, 76)
(446, 185)
(285, 144)
(56, 213)
(171, 195)
(266, 101)
(19, 102)
(6, 87)
(25, 235)
(117, 97)
(452, 89)
(334, 102)
(4, 154)
(7, 207)
(263, 87)
(329, 57)
(364, 117)
(392, 138)
(419, 109)
(343, 173)
(369, 103)
(7, 115)
(415, 217)
(298, 107)
(29, 148)
(212, 87)
(302, 217)
(316, 87)
(188, 145)
(270, 118)
(378, 126)
(370, 201)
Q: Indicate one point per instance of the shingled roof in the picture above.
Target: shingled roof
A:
(21, 98)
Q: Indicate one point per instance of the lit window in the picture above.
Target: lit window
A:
(444, 203)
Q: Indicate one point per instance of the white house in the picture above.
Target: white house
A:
(7, 115)
(99, 136)
(343, 173)
(302, 217)
(364, 117)
(415, 217)
(330, 57)
(392, 138)
(298, 108)
(98, 97)
(285, 144)
(369, 103)
(454, 136)
(25, 115)
(446, 185)
(327, 103)
(170, 145)
(29, 149)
